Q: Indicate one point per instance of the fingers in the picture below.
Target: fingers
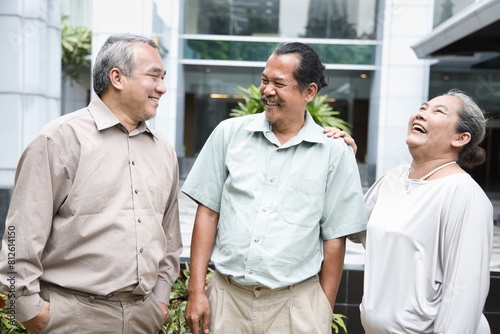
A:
(206, 323)
(334, 132)
(193, 322)
(197, 315)
(37, 323)
(164, 309)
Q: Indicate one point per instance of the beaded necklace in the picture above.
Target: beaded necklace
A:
(428, 175)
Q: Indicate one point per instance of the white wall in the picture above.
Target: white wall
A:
(30, 86)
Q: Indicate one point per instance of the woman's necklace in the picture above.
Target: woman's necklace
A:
(428, 175)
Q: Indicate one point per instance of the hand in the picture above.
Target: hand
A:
(197, 313)
(35, 325)
(164, 308)
(336, 133)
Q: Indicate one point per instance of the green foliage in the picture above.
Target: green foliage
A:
(253, 104)
(338, 322)
(176, 323)
(324, 115)
(7, 323)
(76, 48)
(321, 112)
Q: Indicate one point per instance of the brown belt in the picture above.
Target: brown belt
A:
(115, 297)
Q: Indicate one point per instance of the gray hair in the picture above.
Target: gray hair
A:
(116, 52)
(471, 120)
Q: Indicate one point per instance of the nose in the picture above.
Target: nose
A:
(161, 87)
(421, 114)
(268, 89)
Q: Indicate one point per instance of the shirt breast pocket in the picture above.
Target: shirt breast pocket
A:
(303, 202)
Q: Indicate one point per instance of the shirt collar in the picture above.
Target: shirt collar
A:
(105, 119)
(309, 131)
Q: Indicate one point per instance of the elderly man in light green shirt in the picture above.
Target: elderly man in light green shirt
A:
(277, 199)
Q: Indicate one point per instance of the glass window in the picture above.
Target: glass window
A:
(334, 19)
(260, 51)
(211, 92)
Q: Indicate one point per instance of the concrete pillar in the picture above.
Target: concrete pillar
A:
(30, 87)
(401, 80)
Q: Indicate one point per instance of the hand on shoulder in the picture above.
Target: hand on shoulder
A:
(337, 133)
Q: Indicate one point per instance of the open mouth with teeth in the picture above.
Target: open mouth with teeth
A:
(270, 102)
(154, 99)
(273, 103)
(419, 128)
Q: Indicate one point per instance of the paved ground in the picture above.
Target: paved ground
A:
(355, 253)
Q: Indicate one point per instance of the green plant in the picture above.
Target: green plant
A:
(320, 110)
(8, 325)
(176, 323)
(253, 104)
(338, 322)
(76, 48)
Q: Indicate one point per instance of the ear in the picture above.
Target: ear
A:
(116, 78)
(311, 91)
(461, 140)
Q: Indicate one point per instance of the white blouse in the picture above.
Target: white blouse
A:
(428, 249)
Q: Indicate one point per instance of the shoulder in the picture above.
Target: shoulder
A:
(463, 186)
(54, 127)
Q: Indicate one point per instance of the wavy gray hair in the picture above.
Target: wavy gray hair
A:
(117, 51)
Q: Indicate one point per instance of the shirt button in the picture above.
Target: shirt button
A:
(141, 250)
(264, 210)
(139, 220)
(133, 162)
(256, 241)
(272, 180)
(250, 271)
(136, 191)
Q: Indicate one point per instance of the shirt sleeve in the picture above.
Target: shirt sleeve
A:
(466, 244)
(40, 186)
(170, 266)
(344, 210)
(206, 178)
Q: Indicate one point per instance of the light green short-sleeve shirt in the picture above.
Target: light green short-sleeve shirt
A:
(277, 203)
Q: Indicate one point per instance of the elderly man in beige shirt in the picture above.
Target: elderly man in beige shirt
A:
(92, 239)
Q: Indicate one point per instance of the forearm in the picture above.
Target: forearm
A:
(332, 267)
(202, 243)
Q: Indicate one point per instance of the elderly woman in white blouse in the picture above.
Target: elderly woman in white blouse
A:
(429, 236)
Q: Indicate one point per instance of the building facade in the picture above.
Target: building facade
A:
(383, 59)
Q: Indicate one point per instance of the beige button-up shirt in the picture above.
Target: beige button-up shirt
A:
(94, 209)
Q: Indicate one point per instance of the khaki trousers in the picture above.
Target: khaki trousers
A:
(302, 308)
(85, 314)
